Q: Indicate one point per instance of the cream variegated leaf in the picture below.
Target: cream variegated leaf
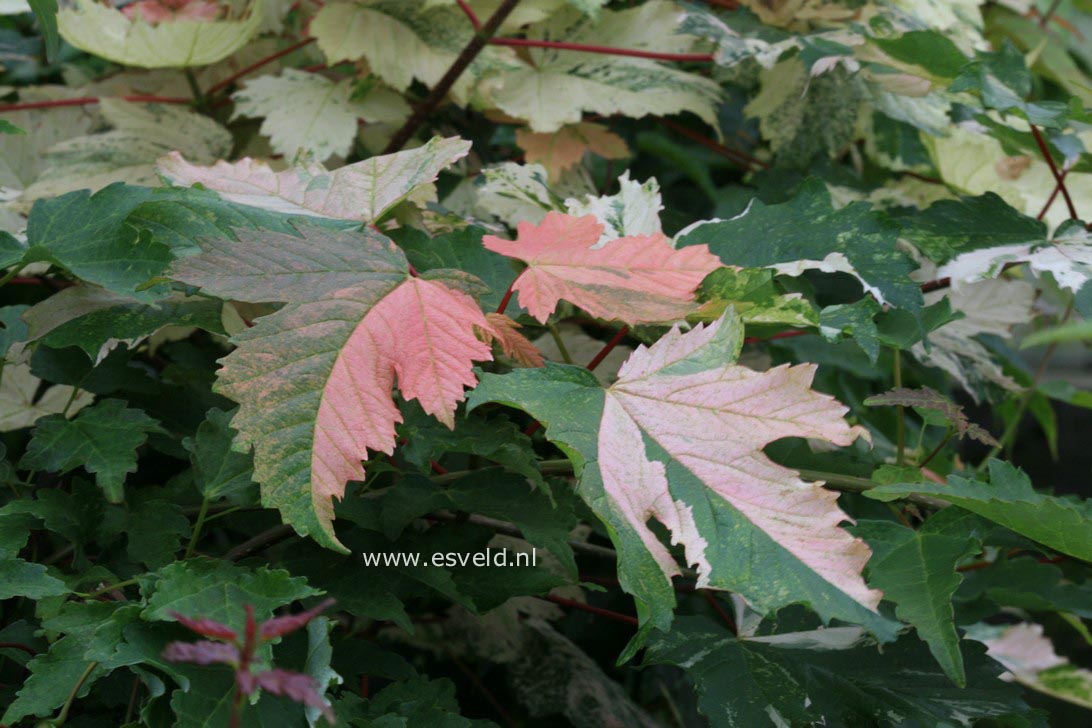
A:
(320, 118)
(558, 86)
(361, 191)
(21, 405)
(633, 210)
(989, 307)
(22, 157)
(402, 40)
(140, 134)
(1067, 257)
(108, 33)
(1032, 661)
(678, 439)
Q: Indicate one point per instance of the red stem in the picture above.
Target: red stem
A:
(736, 156)
(470, 14)
(605, 50)
(19, 646)
(581, 606)
(721, 612)
(216, 88)
(608, 348)
(1058, 176)
(1050, 200)
(508, 294)
(85, 100)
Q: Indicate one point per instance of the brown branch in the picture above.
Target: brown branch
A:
(598, 611)
(1059, 178)
(441, 89)
(741, 158)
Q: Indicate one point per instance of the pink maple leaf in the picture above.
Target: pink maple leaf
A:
(636, 279)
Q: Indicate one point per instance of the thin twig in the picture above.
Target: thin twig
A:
(736, 156)
(599, 611)
(444, 85)
(1050, 12)
(72, 695)
(1059, 178)
(470, 14)
(262, 540)
(1025, 401)
(86, 100)
(608, 348)
(486, 693)
(508, 294)
(1053, 196)
(221, 85)
(18, 646)
(720, 610)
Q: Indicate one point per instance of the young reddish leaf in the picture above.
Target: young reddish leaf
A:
(202, 653)
(279, 626)
(206, 627)
(565, 148)
(515, 345)
(930, 399)
(294, 686)
(361, 191)
(678, 438)
(635, 279)
(314, 379)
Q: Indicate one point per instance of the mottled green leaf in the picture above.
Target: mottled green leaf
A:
(1063, 524)
(949, 228)
(156, 529)
(88, 235)
(103, 439)
(916, 571)
(52, 677)
(218, 470)
(809, 233)
(20, 578)
(97, 320)
(757, 682)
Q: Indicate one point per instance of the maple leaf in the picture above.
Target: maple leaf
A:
(988, 307)
(1068, 257)
(314, 379)
(323, 116)
(194, 40)
(361, 191)
(515, 345)
(565, 148)
(402, 40)
(930, 399)
(564, 262)
(634, 210)
(554, 87)
(678, 439)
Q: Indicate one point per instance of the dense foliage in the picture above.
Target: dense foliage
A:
(722, 311)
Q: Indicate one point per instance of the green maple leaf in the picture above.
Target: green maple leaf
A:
(807, 232)
(103, 439)
(1064, 525)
